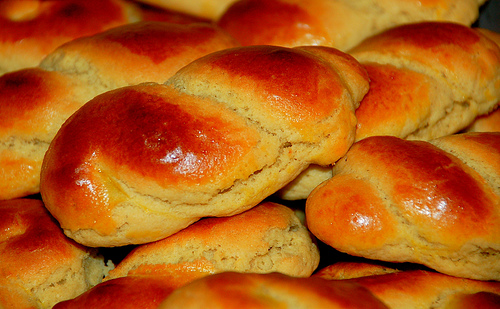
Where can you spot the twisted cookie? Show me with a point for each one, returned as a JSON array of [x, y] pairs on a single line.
[[140, 163], [434, 203]]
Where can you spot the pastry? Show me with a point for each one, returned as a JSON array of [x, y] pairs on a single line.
[[267, 238], [140, 163], [434, 203]]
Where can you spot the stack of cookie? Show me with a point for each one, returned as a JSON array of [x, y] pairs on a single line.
[[168, 156]]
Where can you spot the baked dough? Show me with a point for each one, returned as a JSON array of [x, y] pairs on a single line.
[[267, 238], [224, 133], [434, 203]]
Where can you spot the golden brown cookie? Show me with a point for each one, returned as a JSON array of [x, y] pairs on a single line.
[[224, 133], [267, 238], [434, 203]]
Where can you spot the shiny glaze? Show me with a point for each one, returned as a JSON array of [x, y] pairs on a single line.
[[490, 144], [448, 50], [425, 288], [178, 274], [345, 209], [430, 187], [135, 133], [182, 144], [481, 149], [275, 290], [384, 180], [139, 52], [19, 94], [151, 135]]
